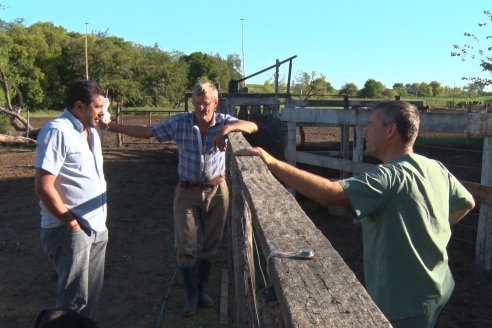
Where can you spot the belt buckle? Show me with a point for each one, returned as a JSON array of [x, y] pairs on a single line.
[[206, 185]]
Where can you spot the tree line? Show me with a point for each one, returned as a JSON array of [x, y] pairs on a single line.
[[39, 62]]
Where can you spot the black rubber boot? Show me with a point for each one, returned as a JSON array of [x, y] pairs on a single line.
[[190, 283], [204, 299]]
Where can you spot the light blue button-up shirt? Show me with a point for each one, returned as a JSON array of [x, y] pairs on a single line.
[[63, 151]]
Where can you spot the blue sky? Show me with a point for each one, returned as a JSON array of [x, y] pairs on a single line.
[[347, 41]]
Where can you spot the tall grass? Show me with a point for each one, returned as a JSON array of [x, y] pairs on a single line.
[[43, 113], [5, 126]]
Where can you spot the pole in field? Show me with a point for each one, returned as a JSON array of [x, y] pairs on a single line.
[[86, 59]]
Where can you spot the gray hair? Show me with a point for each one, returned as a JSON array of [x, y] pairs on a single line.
[[404, 115], [205, 88]]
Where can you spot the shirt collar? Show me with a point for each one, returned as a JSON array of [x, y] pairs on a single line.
[[75, 121], [211, 124]]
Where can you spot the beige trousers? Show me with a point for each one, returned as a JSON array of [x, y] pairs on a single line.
[[199, 219]]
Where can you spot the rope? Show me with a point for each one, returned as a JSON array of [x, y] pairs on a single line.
[[250, 275], [164, 299], [259, 261]]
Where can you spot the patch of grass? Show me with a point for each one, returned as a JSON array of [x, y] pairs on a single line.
[[454, 141], [43, 113]]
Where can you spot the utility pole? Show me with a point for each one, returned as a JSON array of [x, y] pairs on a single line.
[[242, 43], [86, 59]]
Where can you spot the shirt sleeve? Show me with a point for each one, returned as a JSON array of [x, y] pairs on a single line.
[[230, 119], [165, 130], [51, 151], [459, 196], [368, 191]]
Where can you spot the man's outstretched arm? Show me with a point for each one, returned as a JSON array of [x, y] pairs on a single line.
[[136, 131], [319, 189]]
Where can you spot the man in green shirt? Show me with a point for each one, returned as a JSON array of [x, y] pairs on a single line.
[[406, 205]]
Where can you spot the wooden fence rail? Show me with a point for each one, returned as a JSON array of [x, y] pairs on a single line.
[[321, 292]]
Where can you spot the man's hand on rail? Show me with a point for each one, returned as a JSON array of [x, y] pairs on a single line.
[[220, 140], [257, 151]]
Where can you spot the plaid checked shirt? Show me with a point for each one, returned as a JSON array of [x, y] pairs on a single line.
[[198, 160]]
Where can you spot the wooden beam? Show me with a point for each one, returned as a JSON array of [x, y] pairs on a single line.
[[322, 292], [453, 122]]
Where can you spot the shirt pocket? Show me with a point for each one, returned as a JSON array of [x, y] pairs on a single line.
[[79, 161]]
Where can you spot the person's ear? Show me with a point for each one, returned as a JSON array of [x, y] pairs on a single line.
[[392, 130], [78, 108]]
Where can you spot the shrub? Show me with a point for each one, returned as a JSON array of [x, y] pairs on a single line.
[[5, 125]]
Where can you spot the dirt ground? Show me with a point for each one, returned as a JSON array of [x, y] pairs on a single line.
[[141, 287]]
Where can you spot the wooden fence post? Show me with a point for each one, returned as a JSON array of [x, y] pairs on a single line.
[[291, 142], [119, 120], [345, 139], [483, 250]]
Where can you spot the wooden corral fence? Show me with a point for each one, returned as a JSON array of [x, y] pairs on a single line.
[[466, 123], [265, 221], [148, 116]]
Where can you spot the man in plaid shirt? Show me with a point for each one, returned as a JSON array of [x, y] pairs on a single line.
[[201, 197]]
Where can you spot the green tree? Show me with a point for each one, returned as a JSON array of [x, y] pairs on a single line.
[[424, 89], [268, 86], [478, 48], [311, 85], [349, 89], [115, 63], [41, 60], [212, 68], [25, 74], [372, 89], [389, 93], [49, 60], [474, 89], [437, 89], [156, 77], [400, 89], [413, 89]]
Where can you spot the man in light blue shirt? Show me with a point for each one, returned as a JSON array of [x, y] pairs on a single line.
[[70, 184]]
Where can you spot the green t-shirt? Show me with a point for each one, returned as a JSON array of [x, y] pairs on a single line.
[[404, 208]]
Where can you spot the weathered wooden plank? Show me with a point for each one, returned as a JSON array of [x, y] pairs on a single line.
[[320, 292], [330, 116], [243, 310], [16, 140], [483, 250], [251, 101], [327, 161], [358, 153], [481, 193], [454, 122], [339, 103]]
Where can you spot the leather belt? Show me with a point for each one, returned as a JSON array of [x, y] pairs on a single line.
[[203, 185]]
